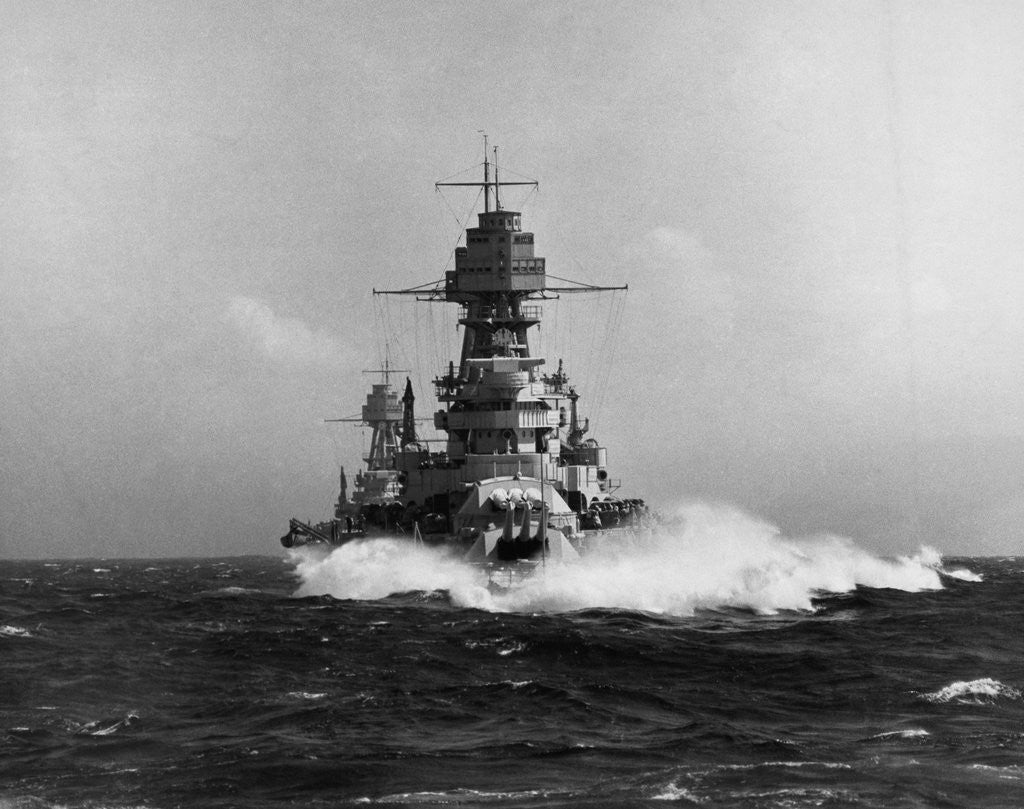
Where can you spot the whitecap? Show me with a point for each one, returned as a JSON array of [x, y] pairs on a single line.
[[236, 591], [812, 796], [459, 796], [973, 692], [825, 765], [1013, 772], [674, 792], [909, 733], [99, 728], [8, 631], [963, 574]]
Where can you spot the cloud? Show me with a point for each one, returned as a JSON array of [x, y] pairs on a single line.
[[282, 339]]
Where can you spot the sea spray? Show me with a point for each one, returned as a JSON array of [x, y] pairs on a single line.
[[719, 557], [376, 568]]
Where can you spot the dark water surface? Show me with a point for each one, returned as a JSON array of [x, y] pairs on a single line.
[[208, 683]]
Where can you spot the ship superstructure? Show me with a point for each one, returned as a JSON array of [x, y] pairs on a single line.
[[515, 447]]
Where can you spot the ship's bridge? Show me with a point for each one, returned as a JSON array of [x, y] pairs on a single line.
[[499, 220], [498, 257]]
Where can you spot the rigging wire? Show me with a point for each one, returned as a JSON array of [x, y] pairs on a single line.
[[419, 361], [442, 199], [554, 309], [505, 170], [520, 205], [607, 346], [460, 222], [594, 359], [570, 341], [378, 329], [460, 172], [616, 308]]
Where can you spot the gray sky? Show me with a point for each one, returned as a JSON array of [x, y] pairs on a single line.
[[817, 207]]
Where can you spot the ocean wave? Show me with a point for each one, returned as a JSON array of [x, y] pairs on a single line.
[[501, 646], [103, 727], [1012, 772], [231, 592], [399, 702], [460, 797], [674, 792], [757, 765], [796, 796], [8, 631], [910, 733], [974, 692], [34, 802], [962, 574]]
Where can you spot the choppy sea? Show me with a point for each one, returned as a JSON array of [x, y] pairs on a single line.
[[725, 667]]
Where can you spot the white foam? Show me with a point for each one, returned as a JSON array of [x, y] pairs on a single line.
[[8, 631], [721, 558], [674, 792], [963, 574], [377, 568], [911, 733], [974, 692], [457, 797], [825, 765], [233, 590], [98, 728], [1013, 772]]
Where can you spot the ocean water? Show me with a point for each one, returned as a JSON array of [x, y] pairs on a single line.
[[724, 667]]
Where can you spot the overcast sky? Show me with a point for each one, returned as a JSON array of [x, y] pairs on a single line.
[[817, 206]]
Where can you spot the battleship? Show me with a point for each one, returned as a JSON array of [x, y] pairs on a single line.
[[519, 481]]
